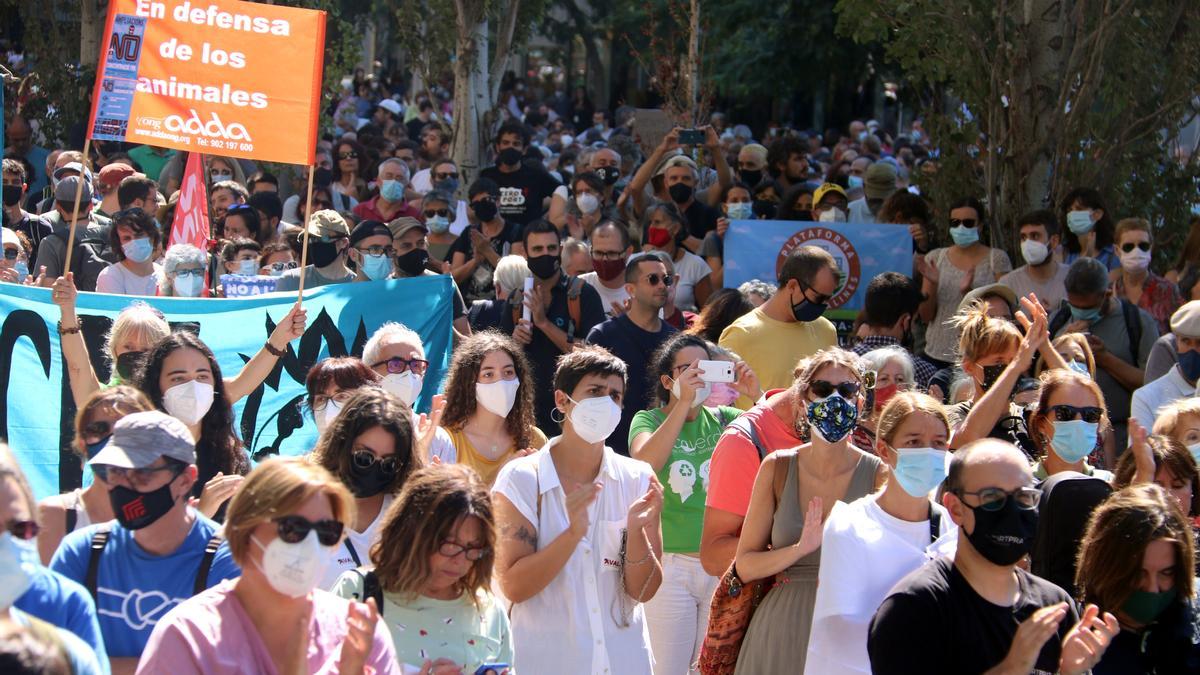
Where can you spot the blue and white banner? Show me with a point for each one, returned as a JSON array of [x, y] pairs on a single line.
[[756, 249], [37, 415]]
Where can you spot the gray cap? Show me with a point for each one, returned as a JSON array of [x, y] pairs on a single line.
[[72, 166], [141, 438], [65, 191]]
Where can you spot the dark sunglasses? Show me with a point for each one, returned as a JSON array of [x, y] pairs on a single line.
[[1144, 245], [822, 298], [236, 208], [656, 279], [1066, 413], [97, 428], [823, 388], [397, 365], [347, 155], [10, 254], [281, 266], [437, 212], [323, 204], [28, 529], [445, 176], [473, 553], [963, 222], [994, 499], [293, 530], [365, 460]]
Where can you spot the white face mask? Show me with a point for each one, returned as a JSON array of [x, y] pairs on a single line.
[[594, 419], [293, 569], [587, 203], [324, 417], [832, 215], [189, 286], [1034, 252], [701, 393], [18, 562], [405, 386], [188, 402], [1136, 260], [498, 397]]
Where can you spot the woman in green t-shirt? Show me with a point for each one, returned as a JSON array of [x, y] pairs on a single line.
[[677, 438]]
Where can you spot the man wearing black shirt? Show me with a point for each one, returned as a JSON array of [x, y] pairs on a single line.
[[16, 186], [635, 335], [552, 329], [524, 189], [978, 612], [473, 256]]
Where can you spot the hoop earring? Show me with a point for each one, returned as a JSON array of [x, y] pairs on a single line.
[[562, 417]]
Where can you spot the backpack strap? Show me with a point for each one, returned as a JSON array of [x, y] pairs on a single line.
[[935, 524], [516, 303], [1133, 326], [1057, 321], [574, 306], [72, 519], [747, 427], [91, 581], [723, 417], [210, 552], [371, 588], [353, 552]]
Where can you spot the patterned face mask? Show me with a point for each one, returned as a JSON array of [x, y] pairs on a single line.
[[832, 417]]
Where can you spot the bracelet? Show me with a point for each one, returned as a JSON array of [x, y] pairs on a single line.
[[67, 331], [272, 350], [627, 561]]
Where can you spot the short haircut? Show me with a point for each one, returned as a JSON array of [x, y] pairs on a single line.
[[511, 273], [890, 296], [517, 128], [136, 187], [481, 186], [877, 360], [960, 457], [586, 360], [141, 222], [1087, 276], [436, 196], [1132, 225], [1043, 217], [262, 177], [804, 263], [346, 372], [634, 264], [540, 226], [235, 246], [233, 186], [267, 202], [622, 233], [905, 207], [390, 332], [15, 166], [407, 144], [398, 163]]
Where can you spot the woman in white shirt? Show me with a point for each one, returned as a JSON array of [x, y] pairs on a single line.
[[580, 537], [871, 543], [665, 230], [137, 243]]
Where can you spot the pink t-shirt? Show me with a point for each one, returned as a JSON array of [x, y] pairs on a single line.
[[735, 459], [211, 633]]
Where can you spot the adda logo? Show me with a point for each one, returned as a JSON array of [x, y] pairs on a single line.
[[214, 128]]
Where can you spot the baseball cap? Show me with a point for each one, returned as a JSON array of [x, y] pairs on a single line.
[[329, 224], [10, 237], [880, 181], [400, 226], [72, 166], [65, 191], [112, 175], [1186, 320], [138, 439], [391, 106], [368, 228], [825, 189], [677, 160], [991, 290]]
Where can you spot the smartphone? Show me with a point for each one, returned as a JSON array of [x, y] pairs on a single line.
[[716, 371], [491, 669], [691, 137]]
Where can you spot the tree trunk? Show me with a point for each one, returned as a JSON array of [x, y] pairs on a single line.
[[693, 64], [92, 26], [472, 96]]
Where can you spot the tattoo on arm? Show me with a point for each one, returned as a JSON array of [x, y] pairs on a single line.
[[519, 533]]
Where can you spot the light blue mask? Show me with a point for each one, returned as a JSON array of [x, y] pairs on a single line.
[[1194, 448], [392, 190], [1079, 367], [22, 270], [1073, 440], [919, 470], [138, 250], [964, 236], [854, 181], [740, 211], [189, 285], [1080, 222], [438, 224], [1089, 315], [248, 267], [377, 267]]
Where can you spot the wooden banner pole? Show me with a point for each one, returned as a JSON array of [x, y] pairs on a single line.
[[87, 147], [312, 169]]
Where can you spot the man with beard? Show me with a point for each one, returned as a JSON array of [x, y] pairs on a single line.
[[524, 189]]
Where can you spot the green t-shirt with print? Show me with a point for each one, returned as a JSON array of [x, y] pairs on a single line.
[[685, 475]]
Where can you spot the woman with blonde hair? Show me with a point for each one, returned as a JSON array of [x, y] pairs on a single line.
[[793, 492], [1137, 561], [1068, 425], [897, 528], [282, 529], [1076, 353], [1181, 421], [433, 571], [1166, 462], [62, 514]]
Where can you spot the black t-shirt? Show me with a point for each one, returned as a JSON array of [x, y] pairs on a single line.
[[621, 336], [522, 192], [701, 219], [543, 353], [935, 622], [480, 285]]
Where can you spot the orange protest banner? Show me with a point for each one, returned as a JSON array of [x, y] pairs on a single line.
[[222, 77]]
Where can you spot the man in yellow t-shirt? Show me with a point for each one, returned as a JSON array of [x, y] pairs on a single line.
[[789, 326]]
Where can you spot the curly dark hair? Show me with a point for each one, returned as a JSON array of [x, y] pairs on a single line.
[[370, 407], [218, 448], [664, 359], [464, 372]]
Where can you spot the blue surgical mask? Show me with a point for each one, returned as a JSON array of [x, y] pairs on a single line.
[[449, 185], [392, 190], [248, 267], [1189, 365], [1079, 367], [438, 224], [919, 470], [1074, 439], [1080, 222], [1089, 315], [22, 270], [377, 267], [93, 448], [854, 181], [138, 250], [740, 211], [1194, 448], [964, 236]]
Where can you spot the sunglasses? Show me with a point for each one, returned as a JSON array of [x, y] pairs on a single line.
[[656, 279], [963, 222], [320, 204], [1066, 413], [139, 477], [994, 499], [1144, 245], [97, 428], [281, 266], [364, 459], [28, 529], [347, 155], [445, 176], [823, 388], [437, 212], [293, 530], [10, 254], [473, 553], [396, 365]]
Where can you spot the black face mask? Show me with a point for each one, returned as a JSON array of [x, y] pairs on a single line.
[[609, 174], [128, 363], [804, 214], [751, 178], [412, 264], [12, 195], [1003, 537], [370, 481], [509, 157], [680, 193], [322, 253], [135, 510], [485, 210], [991, 374], [807, 310], [543, 266], [764, 209]]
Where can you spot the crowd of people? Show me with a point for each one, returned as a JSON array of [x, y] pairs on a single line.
[[629, 467]]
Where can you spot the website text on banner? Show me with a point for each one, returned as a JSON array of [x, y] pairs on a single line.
[[37, 415], [205, 76], [756, 249]]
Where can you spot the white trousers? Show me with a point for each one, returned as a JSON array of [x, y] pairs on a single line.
[[677, 615]]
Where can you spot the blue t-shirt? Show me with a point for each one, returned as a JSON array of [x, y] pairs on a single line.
[[61, 602], [621, 336], [134, 588], [81, 659]]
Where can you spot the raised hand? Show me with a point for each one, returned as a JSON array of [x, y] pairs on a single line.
[[645, 509], [689, 383], [1085, 644], [1031, 635], [289, 328], [578, 502], [360, 635], [217, 491], [1143, 458], [745, 381], [63, 292], [810, 538], [427, 425]]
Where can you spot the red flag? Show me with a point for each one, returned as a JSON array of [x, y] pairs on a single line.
[[191, 212]]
